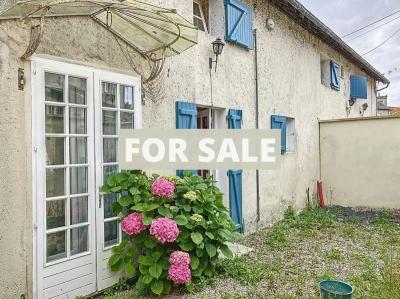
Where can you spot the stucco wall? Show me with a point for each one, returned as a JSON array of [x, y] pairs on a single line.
[[289, 81], [360, 162]]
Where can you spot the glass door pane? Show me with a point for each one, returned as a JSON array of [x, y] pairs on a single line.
[[117, 113], [66, 122]]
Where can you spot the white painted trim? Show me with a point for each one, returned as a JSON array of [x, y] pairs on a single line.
[[110, 77], [35, 273], [38, 101], [94, 124]]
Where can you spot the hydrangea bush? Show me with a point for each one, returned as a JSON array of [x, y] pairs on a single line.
[[173, 229]]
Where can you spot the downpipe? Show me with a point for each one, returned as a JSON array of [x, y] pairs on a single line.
[[387, 85], [376, 97], [257, 120]]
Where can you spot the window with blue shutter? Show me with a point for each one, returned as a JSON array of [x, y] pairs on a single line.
[[239, 23], [186, 118], [234, 119], [358, 87], [279, 122], [335, 75]]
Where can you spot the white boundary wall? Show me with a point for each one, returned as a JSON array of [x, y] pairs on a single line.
[[360, 161]]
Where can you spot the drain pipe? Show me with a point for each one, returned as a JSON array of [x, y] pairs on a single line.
[[376, 97], [257, 122], [384, 87]]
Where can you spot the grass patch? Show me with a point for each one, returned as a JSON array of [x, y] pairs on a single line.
[[246, 271], [334, 255], [383, 218], [276, 237], [295, 254]]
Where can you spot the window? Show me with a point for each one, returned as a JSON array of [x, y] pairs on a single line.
[[198, 16], [330, 73], [324, 63], [288, 133], [209, 118]]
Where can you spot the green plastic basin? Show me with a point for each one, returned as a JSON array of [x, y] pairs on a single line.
[[335, 289]]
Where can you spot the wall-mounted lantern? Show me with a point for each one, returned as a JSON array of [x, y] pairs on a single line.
[[218, 46], [363, 108], [349, 105]]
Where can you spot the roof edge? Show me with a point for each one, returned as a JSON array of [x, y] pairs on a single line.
[[297, 12]]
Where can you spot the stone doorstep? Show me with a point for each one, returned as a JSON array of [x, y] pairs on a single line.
[[239, 249]]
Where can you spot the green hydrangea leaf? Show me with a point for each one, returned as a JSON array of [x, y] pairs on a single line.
[[145, 260], [147, 218], [143, 269], [197, 210], [194, 262], [199, 252], [181, 220], [129, 269], [157, 287], [211, 249], [201, 186], [163, 211], [150, 242], [226, 251], [188, 246], [155, 270], [147, 278], [210, 235], [151, 207], [189, 287], [124, 201], [134, 191], [197, 238], [226, 234], [114, 259], [167, 287]]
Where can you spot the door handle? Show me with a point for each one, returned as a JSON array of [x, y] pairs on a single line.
[[101, 195]]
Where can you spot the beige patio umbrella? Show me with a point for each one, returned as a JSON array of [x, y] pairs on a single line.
[[154, 32]]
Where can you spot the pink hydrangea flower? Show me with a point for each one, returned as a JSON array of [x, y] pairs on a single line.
[[163, 187], [179, 274], [133, 224], [164, 229], [179, 258]]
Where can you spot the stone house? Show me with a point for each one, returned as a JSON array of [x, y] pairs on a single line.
[[281, 67]]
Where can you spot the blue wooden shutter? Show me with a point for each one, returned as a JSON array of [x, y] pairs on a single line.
[[235, 118], [235, 198], [358, 87], [335, 75], [186, 115], [186, 118], [279, 122], [239, 23]]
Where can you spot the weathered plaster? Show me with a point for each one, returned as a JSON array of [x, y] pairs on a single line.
[[289, 80]]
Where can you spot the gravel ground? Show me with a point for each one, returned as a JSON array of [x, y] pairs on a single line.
[[361, 247]]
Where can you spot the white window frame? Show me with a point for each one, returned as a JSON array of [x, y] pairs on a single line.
[[203, 20], [291, 135], [38, 65]]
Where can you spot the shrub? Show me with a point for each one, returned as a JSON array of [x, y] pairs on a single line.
[[173, 229]]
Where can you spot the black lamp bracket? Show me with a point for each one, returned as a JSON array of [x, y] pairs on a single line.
[[211, 62]]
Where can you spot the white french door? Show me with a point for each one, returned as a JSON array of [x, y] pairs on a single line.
[[77, 112], [119, 107]]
